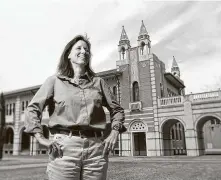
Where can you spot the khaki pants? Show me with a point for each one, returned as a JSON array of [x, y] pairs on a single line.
[[82, 159]]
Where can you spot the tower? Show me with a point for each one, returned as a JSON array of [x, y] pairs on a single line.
[[124, 46], [175, 70], [144, 42]]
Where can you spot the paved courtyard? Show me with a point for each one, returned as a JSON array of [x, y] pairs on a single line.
[[124, 168]]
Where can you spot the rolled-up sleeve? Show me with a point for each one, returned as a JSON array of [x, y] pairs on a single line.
[[33, 113], [116, 111]]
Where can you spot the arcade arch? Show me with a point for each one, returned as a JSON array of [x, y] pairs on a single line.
[[208, 135], [8, 140], [173, 136]]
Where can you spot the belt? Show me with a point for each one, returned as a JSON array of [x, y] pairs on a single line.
[[80, 133]]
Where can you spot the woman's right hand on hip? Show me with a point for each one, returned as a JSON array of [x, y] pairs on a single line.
[[54, 147]]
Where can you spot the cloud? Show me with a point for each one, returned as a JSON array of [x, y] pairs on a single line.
[[33, 35], [192, 35]]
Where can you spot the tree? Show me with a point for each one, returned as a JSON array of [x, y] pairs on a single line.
[[214, 86], [2, 123]]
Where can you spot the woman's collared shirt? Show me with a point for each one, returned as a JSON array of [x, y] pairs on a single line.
[[73, 105]]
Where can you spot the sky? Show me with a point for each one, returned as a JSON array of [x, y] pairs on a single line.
[[33, 35]]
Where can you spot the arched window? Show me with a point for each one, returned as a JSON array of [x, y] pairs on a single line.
[[6, 110], [123, 53], [161, 90], [181, 131], [142, 48], [172, 133], [13, 108], [10, 109], [115, 92], [136, 92]]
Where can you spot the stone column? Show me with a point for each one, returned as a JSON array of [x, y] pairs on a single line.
[[151, 143], [191, 143], [190, 132], [155, 108], [17, 138], [132, 144], [35, 146], [31, 145]]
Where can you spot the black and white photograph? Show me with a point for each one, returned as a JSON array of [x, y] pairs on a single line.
[[110, 90]]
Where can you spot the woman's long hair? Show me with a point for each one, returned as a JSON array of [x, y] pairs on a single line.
[[64, 66]]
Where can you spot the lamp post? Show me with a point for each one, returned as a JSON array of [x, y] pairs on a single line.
[[118, 88]]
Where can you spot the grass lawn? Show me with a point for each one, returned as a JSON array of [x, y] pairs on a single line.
[[128, 168]]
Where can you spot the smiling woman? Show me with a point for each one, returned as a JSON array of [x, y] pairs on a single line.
[[76, 97], [79, 53]]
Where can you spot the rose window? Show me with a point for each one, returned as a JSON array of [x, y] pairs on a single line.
[[138, 126]]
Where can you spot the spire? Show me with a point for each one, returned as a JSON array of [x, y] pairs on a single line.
[[124, 38], [174, 64], [143, 30], [123, 35], [143, 33], [143, 40], [175, 70]]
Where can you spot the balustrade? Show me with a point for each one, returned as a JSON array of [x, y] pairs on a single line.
[[170, 101], [199, 97]]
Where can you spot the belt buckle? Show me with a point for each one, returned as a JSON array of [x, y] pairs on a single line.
[[81, 134]]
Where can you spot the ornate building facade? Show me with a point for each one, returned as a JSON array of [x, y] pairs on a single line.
[[160, 119]]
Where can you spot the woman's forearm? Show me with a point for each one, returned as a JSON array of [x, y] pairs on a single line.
[[41, 139]]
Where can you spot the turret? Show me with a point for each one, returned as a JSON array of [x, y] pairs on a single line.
[[124, 45], [175, 70], [144, 42]]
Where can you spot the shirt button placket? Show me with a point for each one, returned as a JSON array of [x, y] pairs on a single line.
[[85, 107]]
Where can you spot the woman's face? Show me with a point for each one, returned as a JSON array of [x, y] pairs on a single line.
[[79, 53]]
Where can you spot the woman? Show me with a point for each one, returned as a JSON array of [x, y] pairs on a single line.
[[75, 97]]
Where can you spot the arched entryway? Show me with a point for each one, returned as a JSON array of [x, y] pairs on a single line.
[[208, 135], [25, 142], [138, 130], [173, 138], [8, 144]]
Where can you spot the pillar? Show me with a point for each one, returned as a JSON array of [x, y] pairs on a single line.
[[132, 144], [17, 138], [156, 133], [190, 132], [191, 143], [151, 143]]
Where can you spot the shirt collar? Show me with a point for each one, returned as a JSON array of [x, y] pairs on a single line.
[[85, 75]]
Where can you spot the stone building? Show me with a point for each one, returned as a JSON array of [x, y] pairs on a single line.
[[160, 118]]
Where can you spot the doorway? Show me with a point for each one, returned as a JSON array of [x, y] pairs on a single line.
[[139, 144]]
